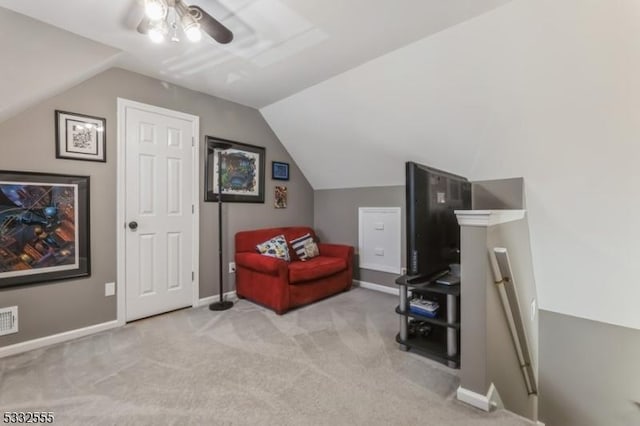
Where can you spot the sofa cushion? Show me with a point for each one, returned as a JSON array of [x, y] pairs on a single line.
[[275, 247], [246, 241], [298, 246], [315, 268], [311, 249]]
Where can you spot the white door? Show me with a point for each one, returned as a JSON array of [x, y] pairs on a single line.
[[159, 210]]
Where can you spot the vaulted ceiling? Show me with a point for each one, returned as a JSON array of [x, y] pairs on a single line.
[[280, 46]]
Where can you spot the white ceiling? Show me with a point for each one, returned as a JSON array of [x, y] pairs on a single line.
[[280, 46]]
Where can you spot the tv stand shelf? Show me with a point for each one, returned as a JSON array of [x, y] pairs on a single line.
[[443, 340], [433, 348], [430, 286], [436, 321]]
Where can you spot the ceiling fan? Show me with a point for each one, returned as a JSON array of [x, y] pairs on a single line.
[[164, 18]]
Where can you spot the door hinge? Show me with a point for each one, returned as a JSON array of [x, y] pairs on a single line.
[[193, 208], [193, 276], [193, 141]]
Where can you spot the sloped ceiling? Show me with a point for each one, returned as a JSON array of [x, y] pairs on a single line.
[[39, 60], [543, 89], [280, 46]]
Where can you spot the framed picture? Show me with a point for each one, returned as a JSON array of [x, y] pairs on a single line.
[[280, 199], [80, 137], [279, 171], [242, 171], [44, 227]]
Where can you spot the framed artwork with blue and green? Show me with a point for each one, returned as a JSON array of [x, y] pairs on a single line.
[[241, 171], [44, 227]]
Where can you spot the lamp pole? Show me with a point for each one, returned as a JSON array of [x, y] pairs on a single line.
[[221, 305]]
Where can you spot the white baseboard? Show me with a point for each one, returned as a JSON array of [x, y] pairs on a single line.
[[377, 287], [229, 295], [41, 342], [483, 402]]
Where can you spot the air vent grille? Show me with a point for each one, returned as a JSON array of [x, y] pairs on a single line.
[[8, 320]]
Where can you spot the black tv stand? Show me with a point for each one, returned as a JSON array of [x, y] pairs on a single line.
[[415, 279], [423, 279], [443, 342]]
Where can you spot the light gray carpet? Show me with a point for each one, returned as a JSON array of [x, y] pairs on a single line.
[[332, 363]]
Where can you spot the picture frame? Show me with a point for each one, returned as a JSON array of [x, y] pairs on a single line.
[[80, 137], [44, 227], [242, 172], [280, 197], [279, 170]]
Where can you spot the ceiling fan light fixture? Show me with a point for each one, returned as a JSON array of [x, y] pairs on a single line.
[[193, 32], [193, 21], [158, 32], [155, 9]]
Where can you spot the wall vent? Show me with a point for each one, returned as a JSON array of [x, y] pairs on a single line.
[[8, 320]]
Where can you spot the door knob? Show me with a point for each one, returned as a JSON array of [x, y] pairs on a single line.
[[133, 225]]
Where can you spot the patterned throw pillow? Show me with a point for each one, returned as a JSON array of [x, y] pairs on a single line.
[[275, 247], [298, 245], [311, 249]]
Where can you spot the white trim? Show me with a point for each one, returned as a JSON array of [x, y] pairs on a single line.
[[122, 105], [483, 402], [487, 218], [229, 295], [65, 336], [377, 287], [195, 201], [120, 213], [539, 423]]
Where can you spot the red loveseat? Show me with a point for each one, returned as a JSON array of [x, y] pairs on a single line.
[[282, 285]]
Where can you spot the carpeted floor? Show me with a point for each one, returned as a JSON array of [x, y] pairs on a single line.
[[332, 363]]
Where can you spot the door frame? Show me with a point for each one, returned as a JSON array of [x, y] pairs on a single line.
[[121, 219]]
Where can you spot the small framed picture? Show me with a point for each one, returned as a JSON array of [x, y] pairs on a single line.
[[279, 171], [80, 137], [280, 197]]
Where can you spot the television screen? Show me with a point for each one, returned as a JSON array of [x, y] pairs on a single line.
[[433, 233]]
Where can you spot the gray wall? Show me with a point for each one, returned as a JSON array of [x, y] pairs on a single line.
[[27, 143], [336, 220], [589, 372], [498, 194], [475, 274]]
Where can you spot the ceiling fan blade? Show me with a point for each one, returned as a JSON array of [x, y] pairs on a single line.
[[211, 26], [143, 26]]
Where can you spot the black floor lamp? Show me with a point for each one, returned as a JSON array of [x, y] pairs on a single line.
[[221, 305]]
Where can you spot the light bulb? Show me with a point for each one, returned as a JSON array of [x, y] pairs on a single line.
[[155, 9], [193, 33], [156, 35]]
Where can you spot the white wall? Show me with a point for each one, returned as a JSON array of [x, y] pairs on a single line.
[[544, 89]]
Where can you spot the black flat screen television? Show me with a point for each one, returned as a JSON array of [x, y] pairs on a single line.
[[433, 233]]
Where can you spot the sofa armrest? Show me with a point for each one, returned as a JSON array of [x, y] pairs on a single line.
[[261, 263], [336, 250]]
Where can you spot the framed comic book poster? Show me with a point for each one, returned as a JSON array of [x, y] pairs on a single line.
[[44, 227]]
